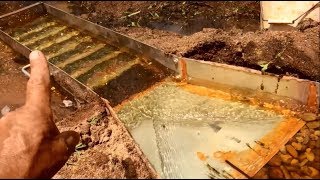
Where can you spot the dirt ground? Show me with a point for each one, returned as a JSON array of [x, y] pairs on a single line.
[[232, 36], [225, 32]]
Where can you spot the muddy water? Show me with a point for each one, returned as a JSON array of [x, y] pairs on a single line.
[[173, 126]]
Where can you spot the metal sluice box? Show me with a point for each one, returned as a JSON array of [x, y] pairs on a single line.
[[190, 118]]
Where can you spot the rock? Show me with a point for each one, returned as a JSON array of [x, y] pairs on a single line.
[[314, 137], [67, 103], [5, 110], [286, 158], [308, 150], [313, 124], [306, 170], [275, 160], [297, 146], [302, 157], [295, 175], [299, 139], [310, 156], [283, 150], [312, 144], [292, 151], [261, 174], [317, 133], [309, 117], [292, 168], [318, 143], [275, 173], [294, 162], [304, 162], [285, 172]]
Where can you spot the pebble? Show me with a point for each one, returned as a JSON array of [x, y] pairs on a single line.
[[294, 162], [304, 162], [314, 137], [302, 157], [299, 139], [292, 151], [295, 175], [275, 173], [67, 103], [283, 150], [275, 160], [261, 174], [309, 117], [285, 172], [310, 156], [313, 124], [312, 144], [297, 146], [286, 158], [317, 133], [5, 110], [314, 172]]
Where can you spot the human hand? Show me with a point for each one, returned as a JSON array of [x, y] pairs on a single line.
[[31, 145]]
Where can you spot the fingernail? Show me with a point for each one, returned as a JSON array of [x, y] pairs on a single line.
[[34, 55]]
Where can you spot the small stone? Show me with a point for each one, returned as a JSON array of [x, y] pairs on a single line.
[[292, 151], [5, 110], [285, 172], [261, 174], [299, 139], [309, 117], [317, 133], [297, 146], [283, 150], [294, 162], [275, 160], [308, 150], [314, 137], [304, 162], [67, 103], [312, 144], [292, 168], [275, 173], [306, 170], [286, 158], [302, 157], [310, 156], [295, 175], [313, 125]]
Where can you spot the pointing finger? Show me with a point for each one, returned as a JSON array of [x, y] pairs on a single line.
[[38, 91]]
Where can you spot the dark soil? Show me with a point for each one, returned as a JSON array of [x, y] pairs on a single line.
[[184, 17]]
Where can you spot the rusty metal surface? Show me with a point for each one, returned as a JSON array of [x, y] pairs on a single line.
[[304, 91], [250, 161]]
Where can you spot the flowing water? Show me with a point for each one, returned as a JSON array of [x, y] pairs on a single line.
[[178, 130]]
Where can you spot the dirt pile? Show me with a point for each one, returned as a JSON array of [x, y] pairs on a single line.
[[292, 53]]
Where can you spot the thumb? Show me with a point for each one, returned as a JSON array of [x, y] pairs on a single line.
[[38, 91], [55, 154]]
